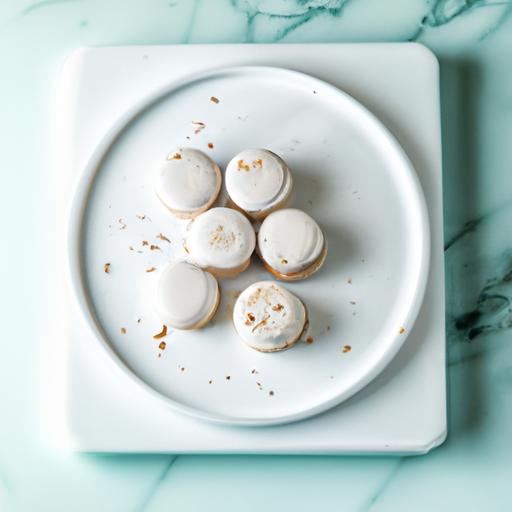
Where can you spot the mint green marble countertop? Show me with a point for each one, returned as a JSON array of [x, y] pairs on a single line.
[[472, 471]]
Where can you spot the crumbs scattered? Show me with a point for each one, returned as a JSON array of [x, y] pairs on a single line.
[[139, 320], [260, 387], [153, 247], [349, 280], [401, 330], [210, 381], [123, 330], [242, 165], [314, 92], [162, 237], [175, 156], [145, 242], [181, 368], [277, 307], [271, 393], [249, 319], [353, 302], [162, 345], [106, 268], [254, 371], [309, 340], [284, 261], [198, 126], [130, 247], [162, 333], [150, 269], [143, 217], [213, 99], [185, 248], [121, 223], [346, 348], [210, 145], [228, 377], [258, 163]]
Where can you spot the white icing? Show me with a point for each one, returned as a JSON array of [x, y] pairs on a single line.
[[185, 295], [187, 181], [268, 317], [257, 179], [290, 240], [221, 238]]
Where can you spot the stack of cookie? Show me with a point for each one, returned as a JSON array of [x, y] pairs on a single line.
[[220, 242]]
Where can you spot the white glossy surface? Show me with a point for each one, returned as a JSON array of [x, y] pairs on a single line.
[[220, 238], [383, 418], [187, 180], [185, 295], [258, 179], [268, 317], [290, 240]]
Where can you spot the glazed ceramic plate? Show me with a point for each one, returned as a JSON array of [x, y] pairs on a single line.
[[350, 175]]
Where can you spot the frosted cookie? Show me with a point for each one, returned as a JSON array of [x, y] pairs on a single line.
[[187, 297], [258, 182], [221, 240], [291, 244], [188, 182], [268, 317]]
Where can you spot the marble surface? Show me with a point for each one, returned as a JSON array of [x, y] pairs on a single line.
[[472, 470]]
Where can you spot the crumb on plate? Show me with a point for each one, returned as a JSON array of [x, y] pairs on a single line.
[[162, 333]]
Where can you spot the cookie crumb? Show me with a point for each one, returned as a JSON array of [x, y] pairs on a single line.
[[213, 99], [123, 330], [162, 345], [106, 268], [150, 269], [210, 145], [309, 340], [346, 348], [228, 377], [401, 330], [162, 237], [175, 156], [271, 393], [162, 333]]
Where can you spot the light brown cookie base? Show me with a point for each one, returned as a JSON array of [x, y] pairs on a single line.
[[259, 215], [228, 272], [191, 215], [301, 274], [291, 343]]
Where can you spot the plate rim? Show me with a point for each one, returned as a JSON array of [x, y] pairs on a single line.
[[75, 268]]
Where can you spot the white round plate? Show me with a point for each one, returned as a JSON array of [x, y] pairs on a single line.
[[350, 175]]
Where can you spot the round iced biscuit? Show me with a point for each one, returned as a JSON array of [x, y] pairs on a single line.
[[268, 317], [222, 241], [291, 244], [188, 182], [186, 296], [258, 181]]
